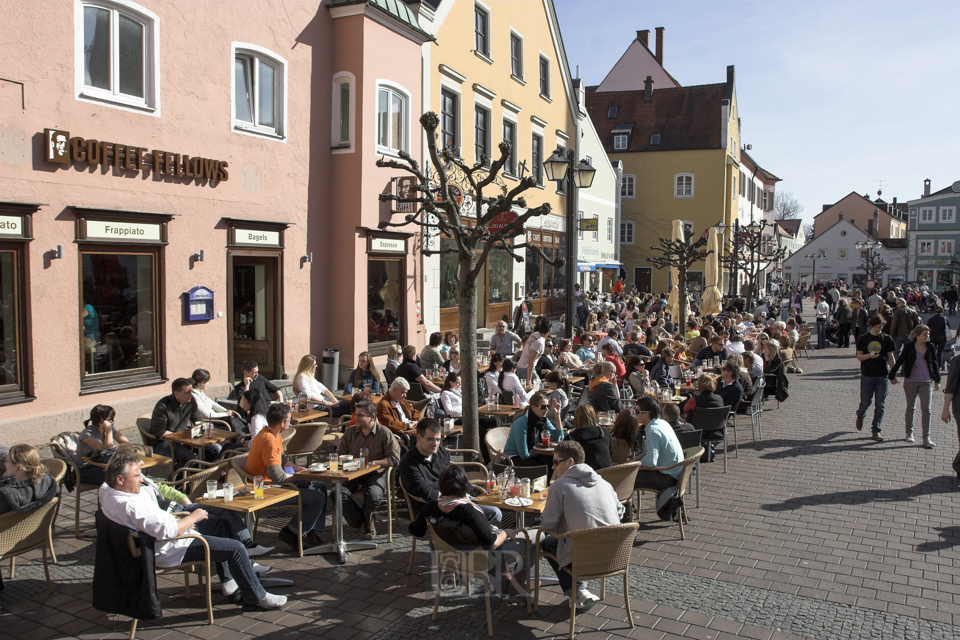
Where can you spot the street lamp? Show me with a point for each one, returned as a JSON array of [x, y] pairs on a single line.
[[814, 257], [872, 248], [560, 168]]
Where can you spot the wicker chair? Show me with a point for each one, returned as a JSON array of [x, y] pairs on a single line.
[[801, 346], [23, 531], [306, 440], [411, 500], [496, 439], [192, 478], [63, 447], [601, 553], [143, 426], [623, 477], [236, 467], [692, 457]]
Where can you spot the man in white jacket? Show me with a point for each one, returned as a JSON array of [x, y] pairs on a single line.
[[578, 499]]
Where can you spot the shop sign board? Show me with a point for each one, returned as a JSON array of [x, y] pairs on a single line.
[[257, 236], [108, 230], [379, 244], [589, 224], [501, 221], [11, 226]]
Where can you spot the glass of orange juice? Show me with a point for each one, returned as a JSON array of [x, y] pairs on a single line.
[[258, 487], [334, 460]]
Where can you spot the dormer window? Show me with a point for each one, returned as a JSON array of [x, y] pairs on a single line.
[[621, 136], [611, 112]]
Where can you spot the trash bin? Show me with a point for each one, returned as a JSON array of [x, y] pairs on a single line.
[[330, 369]]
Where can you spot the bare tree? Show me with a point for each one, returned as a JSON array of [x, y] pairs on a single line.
[[872, 264], [681, 254], [443, 200], [786, 206], [809, 231], [904, 261], [751, 253]]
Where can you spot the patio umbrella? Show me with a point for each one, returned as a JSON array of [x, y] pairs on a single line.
[[710, 302], [673, 302]]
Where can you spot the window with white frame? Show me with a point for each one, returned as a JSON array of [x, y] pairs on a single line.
[[946, 248], [925, 247], [481, 30], [510, 135], [392, 115], [449, 118], [536, 158], [627, 184], [610, 230], [683, 185], [626, 232], [116, 54], [733, 191], [544, 77], [948, 215], [259, 88], [343, 103], [620, 141], [928, 214], [596, 226], [516, 55], [481, 134]]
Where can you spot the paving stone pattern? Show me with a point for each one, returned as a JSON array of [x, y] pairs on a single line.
[[816, 531]]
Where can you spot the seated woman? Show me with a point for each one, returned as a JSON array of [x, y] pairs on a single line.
[[451, 398], [209, 408], [556, 387], [453, 364], [305, 381], [596, 441], [705, 399], [626, 437], [27, 484], [365, 374], [450, 341], [567, 357], [636, 375], [492, 375], [254, 405], [610, 355], [393, 361], [772, 368], [99, 433], [453, 507], [430, 357], [527, 430], [508, 382]]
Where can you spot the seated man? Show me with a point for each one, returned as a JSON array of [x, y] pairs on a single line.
[[662, 449], [603, 392], [410, 371], [266, 459], [253, 380], [661, 371], [363, 495], [578, 499], [127, 502], [611, 339], [634, 347], [671, 414], [730, 388], [421, 466], [177, 412], [393, 410], [586, 352], [714, 350]]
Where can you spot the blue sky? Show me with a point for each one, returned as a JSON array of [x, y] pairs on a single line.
[[833, 96]]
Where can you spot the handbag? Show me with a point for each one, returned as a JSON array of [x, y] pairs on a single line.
[[103, 456]]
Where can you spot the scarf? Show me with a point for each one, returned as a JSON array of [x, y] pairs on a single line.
[[535, 426]]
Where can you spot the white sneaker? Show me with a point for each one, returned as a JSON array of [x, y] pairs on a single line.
[[909, 437], [229, 587], [260, 569], [586, 600], [928, 443], [271, 601], [258, 550]]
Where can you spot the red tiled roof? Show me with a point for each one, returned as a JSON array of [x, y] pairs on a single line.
[[685, 117], [793, 226]]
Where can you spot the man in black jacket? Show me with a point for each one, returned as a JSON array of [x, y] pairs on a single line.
[[604, 395], [421, 465], [714, 350], [178, 412], [938, 333], [729, 387], [661, 371], [253, 380]]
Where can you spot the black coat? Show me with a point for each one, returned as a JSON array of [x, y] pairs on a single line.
[[124, 584], [605, 397], [908, 357], [597, 444]]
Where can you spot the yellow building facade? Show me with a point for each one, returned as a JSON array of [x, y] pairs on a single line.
[[498, 72]]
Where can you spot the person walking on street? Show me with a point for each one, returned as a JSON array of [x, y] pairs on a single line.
[[875, 353], [951, 398], [859, 319], [901, 324], [843, 316], [921, 376], [938, 333], [823, 310]]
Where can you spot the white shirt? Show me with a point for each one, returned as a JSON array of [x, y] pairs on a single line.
[[257, 423], [311, 386], [512, 384], [208, 407], [536, 343], [399, 409], [613, 343], [142, 512], [735, 347], [492, 378], [874, 301], [822, 310], [452, 401]]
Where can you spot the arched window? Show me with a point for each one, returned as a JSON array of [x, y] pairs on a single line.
[[683, 185], [343, 126], [259, 91]]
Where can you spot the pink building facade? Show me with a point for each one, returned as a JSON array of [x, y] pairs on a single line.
[[193, 185]]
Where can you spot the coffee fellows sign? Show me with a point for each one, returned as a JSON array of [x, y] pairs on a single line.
[[60, 148]]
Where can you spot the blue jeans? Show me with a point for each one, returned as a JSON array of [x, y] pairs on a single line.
[[550, 545], [821, 333], [898, 342], [314, 506], [873, 389], [230, 557]]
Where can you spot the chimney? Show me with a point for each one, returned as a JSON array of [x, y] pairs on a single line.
[[648, 90], [840, 215], [926, 187], [659, 54], [644, 38], [876, 223]]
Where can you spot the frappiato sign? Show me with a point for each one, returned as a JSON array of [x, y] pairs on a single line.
[[61, 148]]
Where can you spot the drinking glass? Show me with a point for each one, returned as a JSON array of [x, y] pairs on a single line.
[[258, 487], [503, 488], [491, 400], [211, 489], [334, 460], [545, 438], [228, 492]]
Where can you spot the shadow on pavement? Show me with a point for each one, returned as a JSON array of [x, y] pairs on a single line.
[[949, 537], [940, 484]]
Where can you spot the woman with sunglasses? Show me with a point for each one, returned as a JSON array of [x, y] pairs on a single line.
[[527, 430]]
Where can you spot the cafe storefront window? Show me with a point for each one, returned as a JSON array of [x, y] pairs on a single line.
[[15, 234], [384, 305], [501, 277], [121, 314]]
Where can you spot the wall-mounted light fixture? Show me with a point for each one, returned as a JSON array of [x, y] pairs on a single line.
[[199, 256], [305, 259], [57, 254]]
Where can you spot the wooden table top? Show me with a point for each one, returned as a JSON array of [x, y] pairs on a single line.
[[502, 412], [247, 503], [309, 414], [542, 450], [153, 461], [216, 437], [493, 500], [336, 476]]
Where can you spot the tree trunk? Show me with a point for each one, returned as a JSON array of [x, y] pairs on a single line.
[[682, 299], [467, 295]]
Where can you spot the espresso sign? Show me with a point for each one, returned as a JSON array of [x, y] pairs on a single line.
[[60, 148]]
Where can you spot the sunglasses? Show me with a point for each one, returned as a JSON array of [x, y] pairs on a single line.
[[557, 462], [542, 407]]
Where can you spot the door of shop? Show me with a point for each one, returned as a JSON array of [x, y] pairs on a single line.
[[643, 279], [254, 307]]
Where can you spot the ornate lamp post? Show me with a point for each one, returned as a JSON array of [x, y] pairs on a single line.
[[560, 168]]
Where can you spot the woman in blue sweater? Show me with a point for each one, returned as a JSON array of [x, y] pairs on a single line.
[[525, 433]]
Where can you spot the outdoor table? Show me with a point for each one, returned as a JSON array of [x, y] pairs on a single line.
[[217, 436], [503, 412], [338, 545], [153, 461], [537, 507], [308, 415], [247, 504]]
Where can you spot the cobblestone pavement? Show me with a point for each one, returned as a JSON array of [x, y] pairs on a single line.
[[816, 531]]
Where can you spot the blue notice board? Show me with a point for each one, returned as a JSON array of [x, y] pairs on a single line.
[[199, 304]]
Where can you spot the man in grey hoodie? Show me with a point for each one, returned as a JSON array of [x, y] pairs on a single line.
[[577, 499]]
